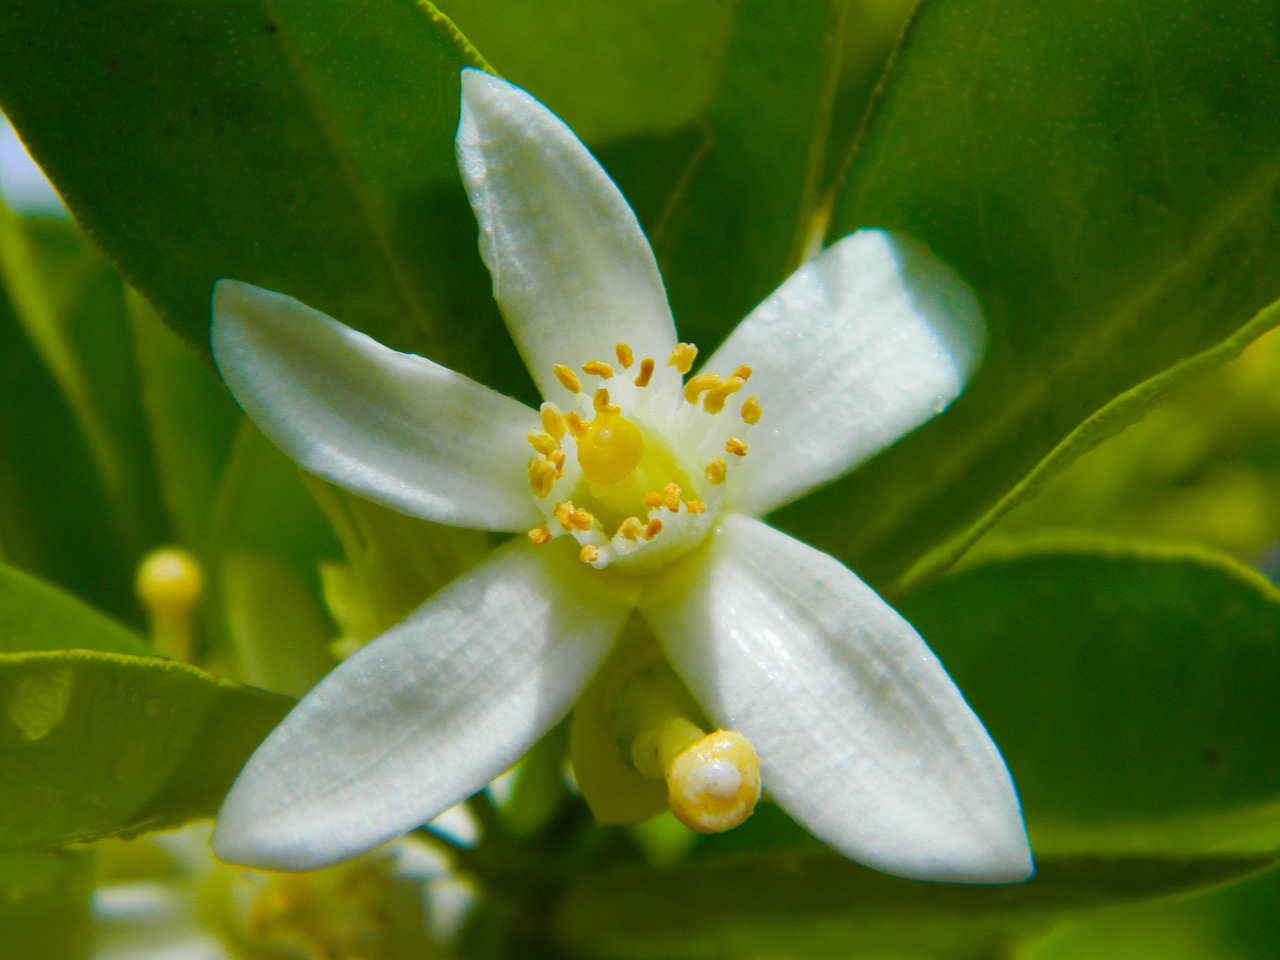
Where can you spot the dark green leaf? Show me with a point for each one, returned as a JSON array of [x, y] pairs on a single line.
[[98, 744], [1108, 180], [302, 146], [817, 903], [1132, 692]]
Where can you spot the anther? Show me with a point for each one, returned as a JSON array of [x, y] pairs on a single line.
[[552, 419], [735, 446], [653, 499], [742, 373], [575, 424], [581, 520], [601, 402], [646, 372], [557, 458], [568, 379], [751, 409], [589, 554], [544, 443], [671, 497], [625, 355], [715, 398], [682, 357], [697, 506], [653, 528], [631, 528], [597, 368], [542, 476], [563, 510], [539, 535], [695, 386], [717, 470]]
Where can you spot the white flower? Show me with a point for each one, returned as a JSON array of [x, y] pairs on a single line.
[[642, 493]]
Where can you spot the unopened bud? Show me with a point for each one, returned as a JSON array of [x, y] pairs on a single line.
[[714, 783]]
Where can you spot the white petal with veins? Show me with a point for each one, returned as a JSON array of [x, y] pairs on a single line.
[[856, 349], [572, 271], [862, 736], [428, 713], [390, 426]]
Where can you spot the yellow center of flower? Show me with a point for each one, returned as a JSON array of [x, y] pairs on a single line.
[[610, 449], [622, 473]]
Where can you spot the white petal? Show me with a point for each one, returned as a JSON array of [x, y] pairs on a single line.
[[428, 713], [571, 269], [390, 426], [857, 348], [862, 736]]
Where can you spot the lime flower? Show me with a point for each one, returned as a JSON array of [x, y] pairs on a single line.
[[632, 488]]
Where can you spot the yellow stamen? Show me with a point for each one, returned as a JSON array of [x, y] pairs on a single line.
[[735, 446], [544, 443], [581, 520], [601, 402], [646, 372], [695, 386], [552, 419], [653, 499], [682, 357], [631, 528], [697, 506], [751, 409], [563, 512], [539, 535], [567, 378], [653, 529], [575, 424], [542, 476], [625, 356], [589, 554], [742, 373], [611, 447], [715, 398], [717, 470], [597, 368], [671, 497]]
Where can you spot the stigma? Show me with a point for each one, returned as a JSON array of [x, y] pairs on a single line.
[[633, 467]]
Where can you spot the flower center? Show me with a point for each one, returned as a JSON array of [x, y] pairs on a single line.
[[635, 475]]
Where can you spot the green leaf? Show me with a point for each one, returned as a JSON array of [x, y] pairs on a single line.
[[302, 146], [1131, 690], [192, 423], [55, 511], [1106, 179], [610, 70], [98, 744], [45, 905], [36, 616], [819, 903]]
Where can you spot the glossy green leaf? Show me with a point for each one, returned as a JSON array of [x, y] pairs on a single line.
[[303, 146], [45, 905], [816, 903], [98, 744], [1106, 179], [1131, 690], [36, 616]]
